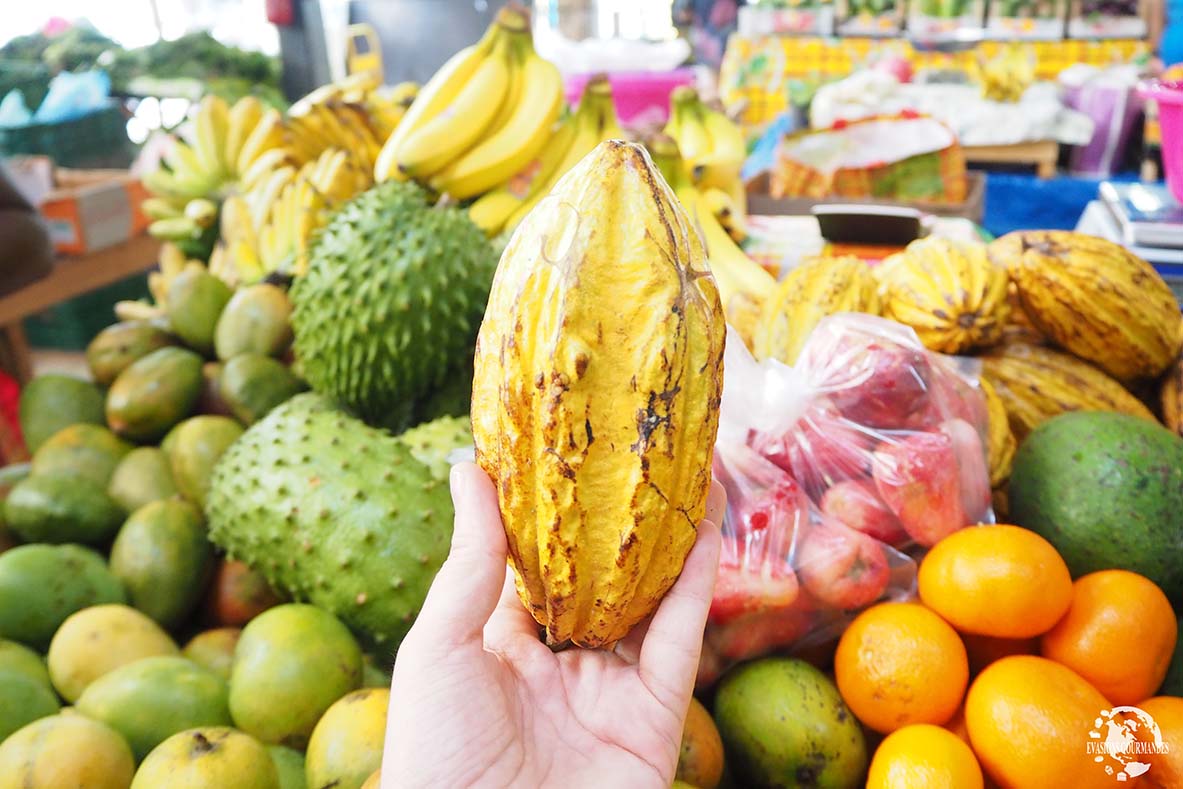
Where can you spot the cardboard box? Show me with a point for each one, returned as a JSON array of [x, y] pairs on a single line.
[[88, 210], [760, 202]]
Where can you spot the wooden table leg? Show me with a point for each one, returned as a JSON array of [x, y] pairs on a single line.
[[14, 352]]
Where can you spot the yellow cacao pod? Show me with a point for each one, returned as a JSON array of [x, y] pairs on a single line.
[[595, 400], [948, 291], [810, 292], [1036, 383], [1095, 299], [1172, 397], [1001, 443]]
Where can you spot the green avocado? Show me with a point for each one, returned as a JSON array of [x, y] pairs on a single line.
[[1106, 490]]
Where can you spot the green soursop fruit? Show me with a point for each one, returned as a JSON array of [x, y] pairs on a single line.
[[391, 302], [432, 442], [335, 513]]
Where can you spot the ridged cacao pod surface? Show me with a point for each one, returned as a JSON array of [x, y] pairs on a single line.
[[598, 377]]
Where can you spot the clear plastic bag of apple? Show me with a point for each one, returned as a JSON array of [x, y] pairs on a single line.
[[882, 434], [868, 447]]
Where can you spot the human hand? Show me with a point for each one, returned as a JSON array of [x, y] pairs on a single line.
[[478, 700]]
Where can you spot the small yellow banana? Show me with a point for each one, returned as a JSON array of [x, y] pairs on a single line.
[[727, 142], [431, 100], [237, 224], [723, 208], [211, 123], [244, 116], [430, 148], [694, 143], [586, 122], [262, 167], [267, 134], [262, 197], [160, 208], [202, 211], [519, 141]]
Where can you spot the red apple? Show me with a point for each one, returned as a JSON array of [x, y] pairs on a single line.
[[873, 381], [973, 466], [841, 567], [951, 397], [756, 634], [856, 504], [917, 477], [822, 448], [740, 590]]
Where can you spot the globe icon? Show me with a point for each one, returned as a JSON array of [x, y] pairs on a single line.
[[1126, 734]]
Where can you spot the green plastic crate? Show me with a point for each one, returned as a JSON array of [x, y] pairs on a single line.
[[97, 140], [71, 325]]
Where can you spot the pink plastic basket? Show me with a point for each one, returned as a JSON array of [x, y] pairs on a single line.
[[1169, 97], [636, 93]]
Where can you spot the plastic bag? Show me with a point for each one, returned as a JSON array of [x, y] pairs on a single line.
[[72, 95], [890, 437], [869, 446]]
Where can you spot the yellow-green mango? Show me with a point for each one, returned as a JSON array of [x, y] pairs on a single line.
[[214, 649], [193, 304], [89, 451], [120, 344], [142, 476], [208, 758], [194, 448], [257, 319], [154, 393], [164, 559], [154, 698], [98, 640], [22, 701], [346, 745], [66, 751]]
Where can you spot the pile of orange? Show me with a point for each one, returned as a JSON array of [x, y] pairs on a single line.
[[1003, 669]]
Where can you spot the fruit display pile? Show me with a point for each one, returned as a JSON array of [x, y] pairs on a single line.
[[224, 535]]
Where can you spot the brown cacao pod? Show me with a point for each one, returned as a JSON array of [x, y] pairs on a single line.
[[595, 401], [1036, 383], [810, 292], [1001, 443], [948, 291], [1095, 299], [1172, 397]]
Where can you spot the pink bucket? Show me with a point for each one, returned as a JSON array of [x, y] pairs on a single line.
[[1169, 97], [643, 94]]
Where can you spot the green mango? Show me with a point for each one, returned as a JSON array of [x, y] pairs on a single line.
[[256, 320], [50, 402], [81, 450], [118, 345], [214, 649], [22, 701], [290, 765], [252, 384], [19, 658], [194, 450], [61, 508], [65, 750], [141, 477], [193, 304], [41, 585], [154, 393], [154, 698], [292, 662], [164, 560]]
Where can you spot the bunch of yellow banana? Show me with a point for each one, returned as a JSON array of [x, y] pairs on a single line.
[[1006, 76], [172, 262], [485, 115], [743, 284], [572, 138], [269, 227], [713, 150], [243, 148]]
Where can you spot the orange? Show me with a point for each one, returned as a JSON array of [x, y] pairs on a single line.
[[899, 663], [984, 650], [700, 762], [924, 757], [1029, 721], [1166, 769], [1001, 581], [1119, 634]]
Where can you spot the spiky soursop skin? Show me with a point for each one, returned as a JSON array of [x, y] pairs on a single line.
[[334, 513], [391, 302], [432, 442]]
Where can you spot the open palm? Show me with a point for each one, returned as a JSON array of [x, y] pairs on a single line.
[[478, 700]]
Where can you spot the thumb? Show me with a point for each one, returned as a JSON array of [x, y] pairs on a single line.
[[467, 587]]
